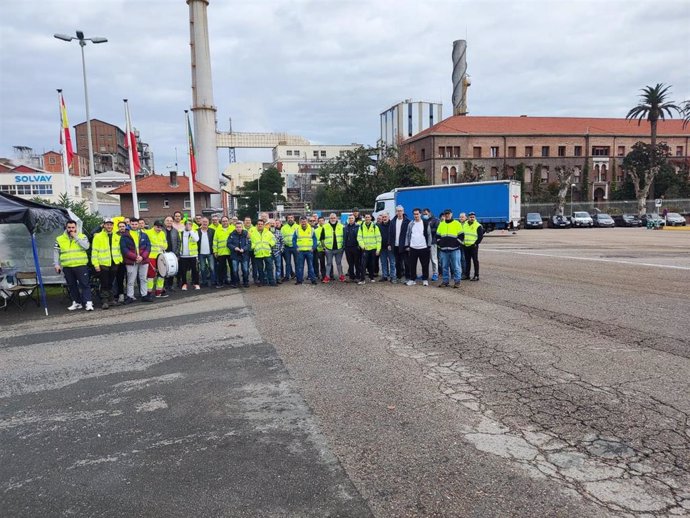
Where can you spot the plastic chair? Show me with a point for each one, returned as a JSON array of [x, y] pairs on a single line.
[[27, 286]]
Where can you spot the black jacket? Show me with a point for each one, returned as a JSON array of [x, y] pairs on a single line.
[[210, 232], [403, 231], [384, 228], [350, 235]]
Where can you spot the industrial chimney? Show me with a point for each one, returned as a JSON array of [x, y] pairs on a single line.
[[203, 107], [460, 78]]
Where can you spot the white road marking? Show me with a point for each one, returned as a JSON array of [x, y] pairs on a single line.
[[596, 259]]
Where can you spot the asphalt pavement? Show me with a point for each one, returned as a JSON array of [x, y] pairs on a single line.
[[557, 385]]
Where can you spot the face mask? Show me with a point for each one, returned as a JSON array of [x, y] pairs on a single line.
[[425, 217]]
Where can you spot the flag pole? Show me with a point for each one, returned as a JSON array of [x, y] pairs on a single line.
[[191, 166], [63, 141], [128, 140]]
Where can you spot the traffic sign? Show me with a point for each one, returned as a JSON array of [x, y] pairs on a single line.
[[657, 202]]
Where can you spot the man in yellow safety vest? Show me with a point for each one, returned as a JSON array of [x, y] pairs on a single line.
[[304, 240], [106, 258], [369, 241], [263, 241], [69, 256]]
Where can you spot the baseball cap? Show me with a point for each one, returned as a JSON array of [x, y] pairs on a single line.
[[158, 223], [448, 211], [471, 214], [107, 220]]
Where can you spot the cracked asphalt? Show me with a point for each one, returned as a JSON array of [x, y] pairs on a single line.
[[558, 385]]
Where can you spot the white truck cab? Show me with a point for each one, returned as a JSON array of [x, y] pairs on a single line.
[[385, 203]]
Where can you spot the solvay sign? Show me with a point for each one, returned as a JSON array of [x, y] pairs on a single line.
[[33, 178]]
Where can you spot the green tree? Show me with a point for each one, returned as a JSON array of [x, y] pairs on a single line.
[[585, 181], [270, 181], [564, 177], [520, 176], [654, 105], [642, 165], [357, 177], [685, 112]]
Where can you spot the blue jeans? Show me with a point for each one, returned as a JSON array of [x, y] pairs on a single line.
[[387, 264], [450, 264], [301, 257], [265, 270], [240, 261], [207, 268], [278, 262], [290, 255], [462, 259]]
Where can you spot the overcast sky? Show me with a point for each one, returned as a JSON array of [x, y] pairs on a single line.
[[325, 69]]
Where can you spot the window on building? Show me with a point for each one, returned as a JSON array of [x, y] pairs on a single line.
[[528, 175], [529, 151], [456, 151], [577, 151], [323, 154], [41, 189], [444, 174], [600, 151], [561, 150], [24, 190], [315, 154], [314, 177], [576, 175], [476, 152], [621, 150], [143, 204], [186, 204], [442, 151], [545, 151], [8, 189], [76, 191], [166, 203], [544, 174], [289, 152], [453, 175], [512, 151], [51, 160], [494, 173], [679, 150], [296, 152], [423, 154], [494, 151]]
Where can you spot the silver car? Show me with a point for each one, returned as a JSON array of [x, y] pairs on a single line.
[[581, 219]]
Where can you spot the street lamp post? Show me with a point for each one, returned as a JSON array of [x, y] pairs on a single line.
[[258, 188], [275, 201], [82, 43], [572, 186]]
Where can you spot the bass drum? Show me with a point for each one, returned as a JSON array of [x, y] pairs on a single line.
[[167, 264]]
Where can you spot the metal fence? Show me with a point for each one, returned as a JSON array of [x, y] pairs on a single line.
[[681, 206]]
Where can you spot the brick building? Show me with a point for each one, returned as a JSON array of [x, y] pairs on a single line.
[[109, 151], [462, 148], [160, 196]]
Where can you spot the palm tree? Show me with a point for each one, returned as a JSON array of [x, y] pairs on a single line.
[[654, 106], [685, 112]]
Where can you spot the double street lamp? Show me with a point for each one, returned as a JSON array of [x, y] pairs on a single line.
[[82, 43]]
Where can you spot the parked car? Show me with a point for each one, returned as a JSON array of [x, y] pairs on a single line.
[[673, 219], [581, 219], [627, 220], [603, 220], [533, 220], [652, 219], [559, 221]]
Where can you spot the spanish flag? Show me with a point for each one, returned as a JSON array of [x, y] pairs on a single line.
[[65, 138]]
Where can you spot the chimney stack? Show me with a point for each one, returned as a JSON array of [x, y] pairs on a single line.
[[173, 178]]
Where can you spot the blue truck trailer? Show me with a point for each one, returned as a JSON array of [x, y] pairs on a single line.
[[496, 204]]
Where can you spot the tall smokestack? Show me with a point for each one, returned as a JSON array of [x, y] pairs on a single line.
[[203, 107], [460, 78]]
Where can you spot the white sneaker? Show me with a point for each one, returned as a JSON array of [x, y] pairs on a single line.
[[360, 282], [89, 306], [75, 305], [372, 280], [411, 282], [425, 283]]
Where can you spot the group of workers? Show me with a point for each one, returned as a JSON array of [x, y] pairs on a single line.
[[226, 252]]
